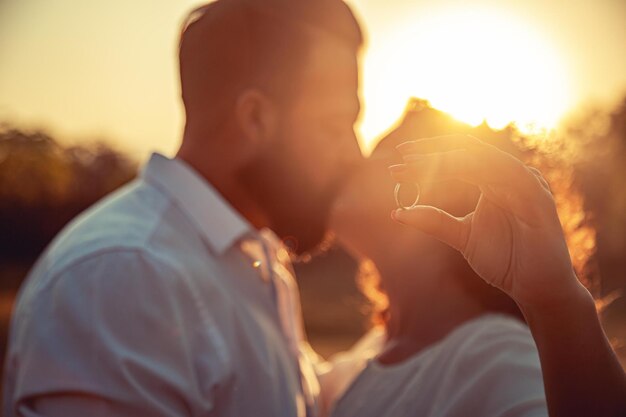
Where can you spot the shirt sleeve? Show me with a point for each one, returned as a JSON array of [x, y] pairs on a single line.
[[113, 335], [497, 374]]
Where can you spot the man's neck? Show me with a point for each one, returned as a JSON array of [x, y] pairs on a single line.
[[223, 179]]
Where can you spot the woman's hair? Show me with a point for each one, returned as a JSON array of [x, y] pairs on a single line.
[[368, 282]]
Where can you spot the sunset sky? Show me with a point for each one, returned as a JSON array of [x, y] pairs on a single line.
[[86, 69]]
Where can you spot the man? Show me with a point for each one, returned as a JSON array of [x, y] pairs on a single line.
[[174, 296]]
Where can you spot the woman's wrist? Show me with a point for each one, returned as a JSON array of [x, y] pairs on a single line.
[[567, 303]]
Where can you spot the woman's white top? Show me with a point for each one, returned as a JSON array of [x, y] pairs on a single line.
[[487, 367]]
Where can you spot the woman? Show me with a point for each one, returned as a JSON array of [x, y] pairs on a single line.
[[452, 344]]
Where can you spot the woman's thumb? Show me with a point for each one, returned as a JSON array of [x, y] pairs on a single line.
[[436, 223]]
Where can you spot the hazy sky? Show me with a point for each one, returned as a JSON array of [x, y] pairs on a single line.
[[86, 68]]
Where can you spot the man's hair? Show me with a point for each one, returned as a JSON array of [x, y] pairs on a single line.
[[227, 46]]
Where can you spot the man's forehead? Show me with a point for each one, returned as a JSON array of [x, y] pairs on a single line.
[[329, 82], [331, 61], [331, 54], [326, 100], [331, 76]]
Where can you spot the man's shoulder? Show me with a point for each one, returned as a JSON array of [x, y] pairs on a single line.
[[125, 220]]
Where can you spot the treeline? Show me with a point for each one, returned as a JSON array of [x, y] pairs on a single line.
[[598, 147], [43, 185]]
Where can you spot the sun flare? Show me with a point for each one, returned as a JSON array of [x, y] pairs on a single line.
[[475, 64]]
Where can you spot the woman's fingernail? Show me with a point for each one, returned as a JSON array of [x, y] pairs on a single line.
[[397, 168], [396, 216]]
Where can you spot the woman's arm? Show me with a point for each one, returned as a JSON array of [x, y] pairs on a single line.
[[514, 241], [582, 376]]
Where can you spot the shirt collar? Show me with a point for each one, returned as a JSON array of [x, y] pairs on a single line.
[[219, 223]]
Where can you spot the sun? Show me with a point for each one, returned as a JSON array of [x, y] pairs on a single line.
[[475, 64]]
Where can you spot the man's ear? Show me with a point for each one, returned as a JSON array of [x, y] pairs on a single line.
[[257, 117]]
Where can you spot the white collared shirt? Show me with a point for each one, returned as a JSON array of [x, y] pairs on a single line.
[[161, 300]]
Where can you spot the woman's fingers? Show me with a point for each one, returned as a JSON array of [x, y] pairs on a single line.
[[469, 157], [509, 183], [466, 158], [437, 223], [439, 144], [439, 166]]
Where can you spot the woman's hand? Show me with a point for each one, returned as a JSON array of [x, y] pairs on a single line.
[[513, 239]]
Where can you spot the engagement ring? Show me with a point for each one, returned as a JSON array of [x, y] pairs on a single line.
[[396, 193]]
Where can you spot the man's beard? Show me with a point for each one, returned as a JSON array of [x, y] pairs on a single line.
[[297, 217], [322, 247]]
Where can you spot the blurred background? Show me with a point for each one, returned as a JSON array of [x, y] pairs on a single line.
[[88, 89]]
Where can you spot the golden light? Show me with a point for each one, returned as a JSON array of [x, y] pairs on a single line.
[[476, 64]]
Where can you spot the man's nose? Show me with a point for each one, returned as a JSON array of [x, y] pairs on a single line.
[[352, 154]]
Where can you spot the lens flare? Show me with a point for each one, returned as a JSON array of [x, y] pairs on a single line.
[[475, 64]]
